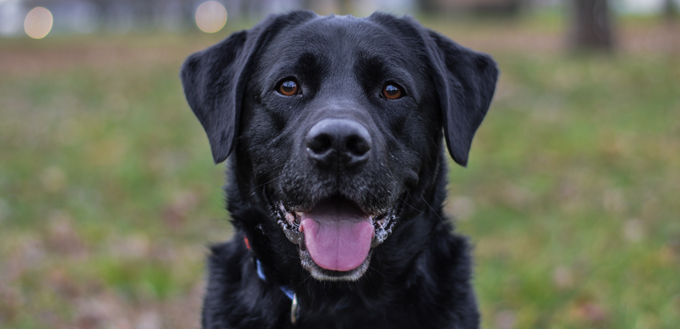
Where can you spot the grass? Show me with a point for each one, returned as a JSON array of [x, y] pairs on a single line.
[[575, 184], [108, 195]]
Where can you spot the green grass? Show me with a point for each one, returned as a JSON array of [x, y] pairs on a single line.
[[575, 181], [108, 194]]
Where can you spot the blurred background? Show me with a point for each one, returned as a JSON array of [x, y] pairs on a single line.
[[109, 197]]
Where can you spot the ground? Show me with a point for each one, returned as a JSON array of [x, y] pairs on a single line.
[[109, 198]]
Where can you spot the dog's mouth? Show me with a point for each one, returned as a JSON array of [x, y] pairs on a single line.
[[335, 236]]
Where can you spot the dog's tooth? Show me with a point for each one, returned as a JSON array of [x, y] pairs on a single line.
[[301, 242], [290, 218]]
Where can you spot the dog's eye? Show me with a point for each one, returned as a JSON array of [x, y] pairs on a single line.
[[392, 91], [288, 88]]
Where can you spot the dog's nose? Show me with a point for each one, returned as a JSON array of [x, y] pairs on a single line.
[[343, 141]]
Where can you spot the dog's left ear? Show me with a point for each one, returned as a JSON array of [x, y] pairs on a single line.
[[465, 81]]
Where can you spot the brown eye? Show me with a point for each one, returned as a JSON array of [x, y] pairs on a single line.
[[391, 91], [288, 88]]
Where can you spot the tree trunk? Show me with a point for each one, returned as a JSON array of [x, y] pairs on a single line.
[[429, 6], [309, 4], [345, 7], [591, 25], [670, 10]]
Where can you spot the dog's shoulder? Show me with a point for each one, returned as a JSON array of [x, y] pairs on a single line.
[[236, 297]]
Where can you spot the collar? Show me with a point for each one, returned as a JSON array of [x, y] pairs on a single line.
[[294, 309], [286, 290]]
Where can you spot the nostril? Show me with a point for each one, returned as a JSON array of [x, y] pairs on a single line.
[[357, 145], [320, 144], [338, 141]]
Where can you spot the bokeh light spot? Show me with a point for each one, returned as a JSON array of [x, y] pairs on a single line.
[[38, 22], [211, 16]]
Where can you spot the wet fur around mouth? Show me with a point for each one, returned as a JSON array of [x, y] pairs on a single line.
[[416, 273], [289, 221]]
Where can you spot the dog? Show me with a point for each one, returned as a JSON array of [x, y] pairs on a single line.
[[334, 128]]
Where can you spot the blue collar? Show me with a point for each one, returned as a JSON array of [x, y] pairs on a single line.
[[294, 308], [286, 290]]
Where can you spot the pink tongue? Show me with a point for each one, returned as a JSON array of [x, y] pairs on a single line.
[[337, 238]]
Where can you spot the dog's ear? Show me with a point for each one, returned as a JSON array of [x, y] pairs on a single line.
[[212, 85], [465, 81], [214, 80]]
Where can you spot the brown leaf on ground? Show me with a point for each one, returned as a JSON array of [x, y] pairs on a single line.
[[175, 213], [60, 282], [634, 230], [184, 312], [563, 277], [11, 302], [460, 207], [590, 312], [135, 246], [62, 237], [505, 319]]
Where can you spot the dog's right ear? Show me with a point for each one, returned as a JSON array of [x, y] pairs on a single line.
[[214, 80], [212, 86]]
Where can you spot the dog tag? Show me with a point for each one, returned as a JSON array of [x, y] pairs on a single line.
[[294, 310]]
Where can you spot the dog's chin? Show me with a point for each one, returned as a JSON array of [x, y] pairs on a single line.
[[335, 237]]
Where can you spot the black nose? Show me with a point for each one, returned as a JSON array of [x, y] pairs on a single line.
[[340, 141]]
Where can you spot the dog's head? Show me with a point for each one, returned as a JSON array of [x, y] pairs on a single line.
[[336, 123]]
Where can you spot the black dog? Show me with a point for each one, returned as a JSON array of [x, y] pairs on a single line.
[[338, 171]]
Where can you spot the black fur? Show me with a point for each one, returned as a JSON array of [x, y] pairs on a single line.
[[419, 277]]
